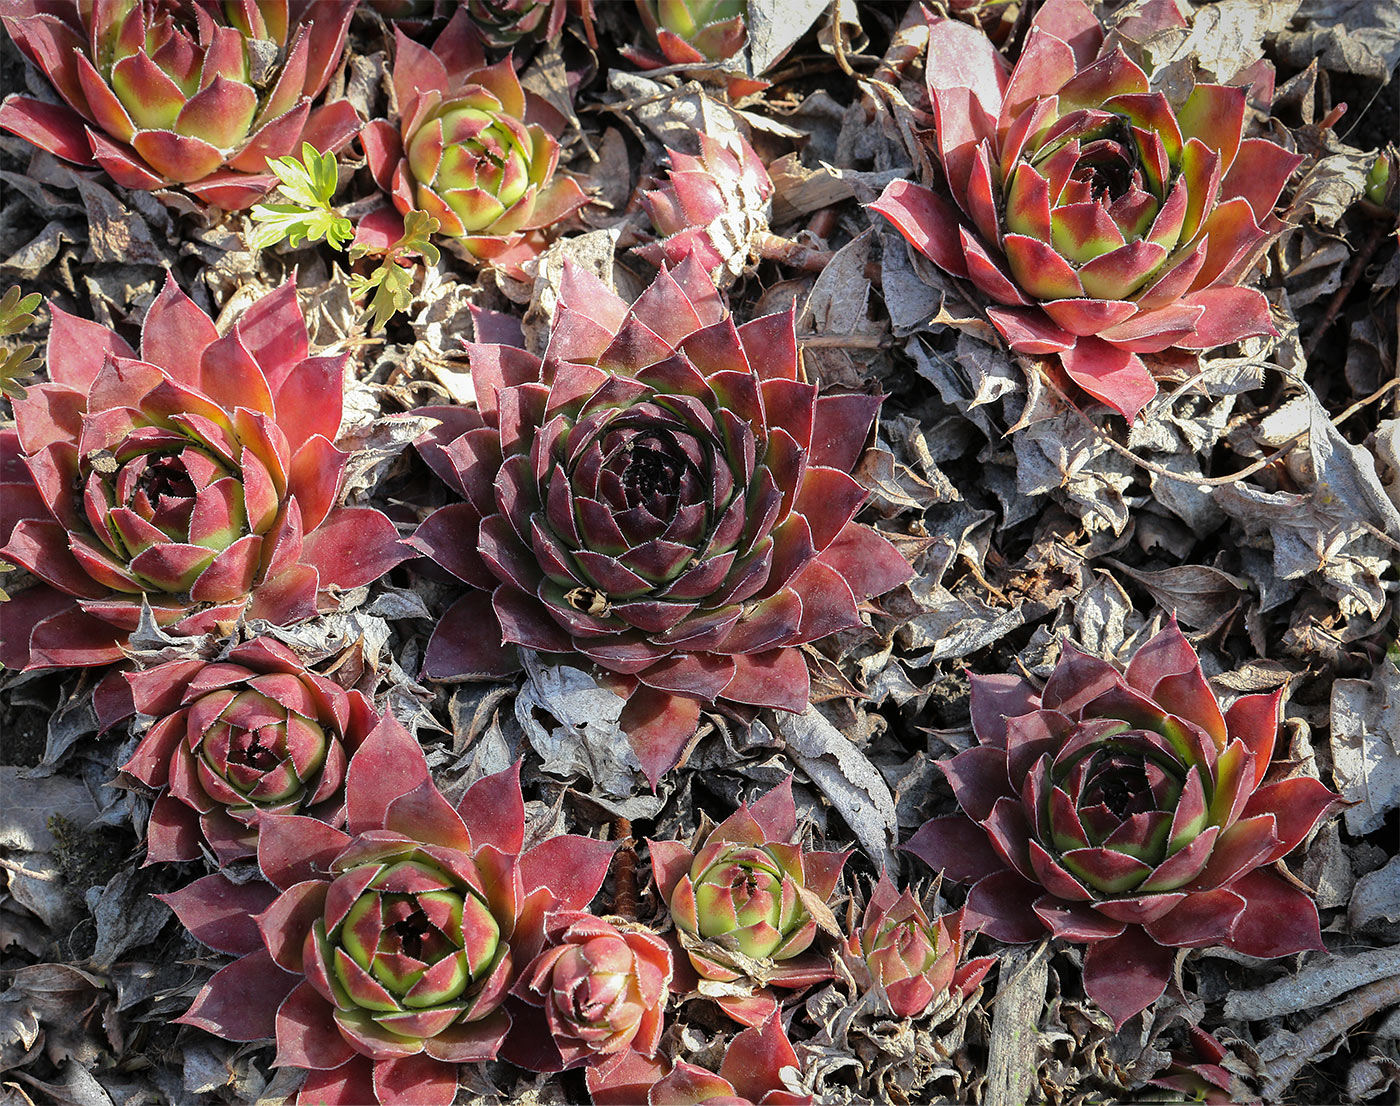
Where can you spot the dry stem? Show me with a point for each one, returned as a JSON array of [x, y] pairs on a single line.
[[625, 873], [1321, 1031]]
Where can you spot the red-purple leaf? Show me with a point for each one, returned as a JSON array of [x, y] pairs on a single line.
[[1126, 974]]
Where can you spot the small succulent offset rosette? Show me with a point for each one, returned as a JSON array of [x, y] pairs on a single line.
[[470, 148], [712, 207], [914, 958], [1102, 220], [163, 92], [381, 955], [1197, 1076], [198, 477], [503, 23], [663, 494], [1125, 810], [603, 986], [692, 32], [742, 887], [251, 734]]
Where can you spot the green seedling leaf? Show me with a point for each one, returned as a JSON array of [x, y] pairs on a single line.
[[309, 186], [391, 284], [18, 364]]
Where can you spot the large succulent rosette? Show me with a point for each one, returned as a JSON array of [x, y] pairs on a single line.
[[913, 957], [663, 494], [162, 92], [381, 955], [198, 477], [602, 987], [712, 207], [252, 734], [470, 148], [739, 888], [1126, 811], [1103, 221]]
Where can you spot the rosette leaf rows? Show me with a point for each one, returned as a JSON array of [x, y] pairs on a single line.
[[383, 953], [198, 477], [503, 23], [1102, 221], [470, 148], [744, 887], [254, 733], [162, 92], [712, 207], [661, 493], [1127, 811], [694, 32], [914, 958], [602, 987]]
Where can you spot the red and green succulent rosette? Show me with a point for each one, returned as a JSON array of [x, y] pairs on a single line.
[[710, 208], [381, 955], [602, 986], [751, 1074], [692, 32], [471, 148], [252, 734], [743, 887], [176, 92], [1197, 1075], [913, 957], [1103, 221], [504, 23], [663, 494], [197, 477], [500, 24], [1125, 810]]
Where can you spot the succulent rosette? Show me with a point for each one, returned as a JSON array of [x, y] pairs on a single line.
[[251, 734], [470, 148], [693, 32], [1125, 810], [198, 477], [602, 986], [1197, 1075], [742, 887], [662, 494], [751, 1074], [503, 23], [381, 955], [712, 207], [1103, 222], [914, 958], [176, 92]]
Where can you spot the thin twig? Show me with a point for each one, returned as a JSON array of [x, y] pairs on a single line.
[[785, 251], [1212, 481], [838, 45], [843, 341], [625, 899], [1321, 1031], [976, 574], [1334, 306], [904, 49]]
